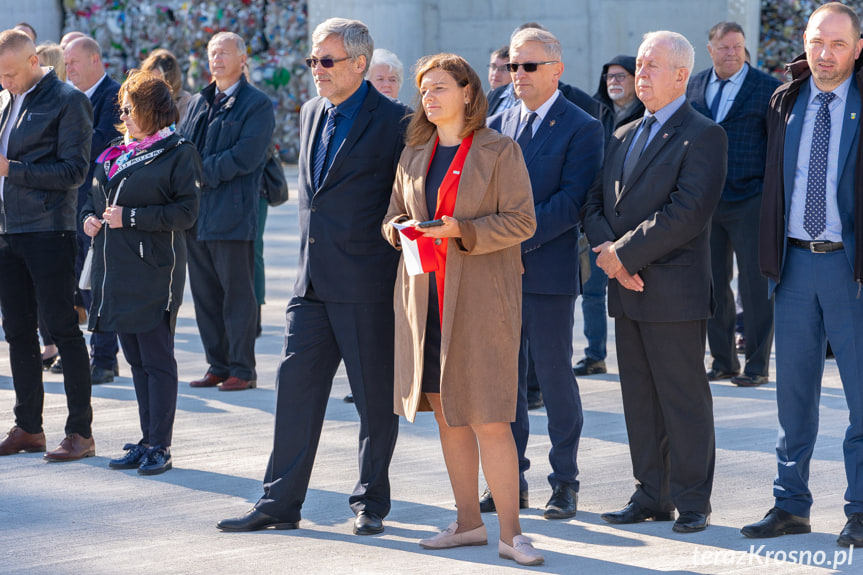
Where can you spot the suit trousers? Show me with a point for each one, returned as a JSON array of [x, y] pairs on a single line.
[[154, 373], [593, 293], [546, 338], [669, 412], [734, 231], [318, 336], [222, 275], [37, 270], [816, 301]]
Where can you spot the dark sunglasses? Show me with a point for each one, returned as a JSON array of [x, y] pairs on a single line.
[[127, 111], [528, 66], [325, 62]]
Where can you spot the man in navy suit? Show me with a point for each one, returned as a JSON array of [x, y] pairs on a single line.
[[351, 138], [562, 147], [736, 96], [84, 68], [810, 250]]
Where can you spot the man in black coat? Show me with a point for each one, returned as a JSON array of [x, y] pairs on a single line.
[[351, 138], [45, 132], [85, 70]]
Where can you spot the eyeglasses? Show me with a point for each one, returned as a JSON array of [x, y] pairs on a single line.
[[126, 111], [528, 66], [325, 62], [619, 78], [497, 68]]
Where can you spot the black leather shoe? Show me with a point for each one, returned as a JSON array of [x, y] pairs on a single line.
[[563, 503], [368, 523], [852, 533], [255, 520], [132, 459], [57, 366], [47, 362], [486, 501], [155, 461], [349, 398], [635, 513], [691, 522], [777, 522], [746, 380], [589, 366], [100, 375], [534, 400], [717, 374]]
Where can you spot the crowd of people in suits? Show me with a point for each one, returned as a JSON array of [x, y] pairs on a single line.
[[462, 231]]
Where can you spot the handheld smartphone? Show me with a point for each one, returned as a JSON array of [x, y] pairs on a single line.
[[430, 224]]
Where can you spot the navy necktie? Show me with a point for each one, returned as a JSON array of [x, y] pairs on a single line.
[[717, 100], [527, 133], [815, 212], [323, 147], [638, 147], [217, 103]]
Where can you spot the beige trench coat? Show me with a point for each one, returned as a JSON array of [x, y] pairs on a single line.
[[481, 329]]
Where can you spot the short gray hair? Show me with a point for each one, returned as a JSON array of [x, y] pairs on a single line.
[[238, 40], [682, 52], [551, 44], [389, 59], [354, 35]]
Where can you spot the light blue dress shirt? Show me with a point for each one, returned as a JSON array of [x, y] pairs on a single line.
[[662, 115], [833, 231], [729, 93]]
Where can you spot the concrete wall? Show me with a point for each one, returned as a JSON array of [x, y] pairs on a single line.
[[46, 16], [591, 31]]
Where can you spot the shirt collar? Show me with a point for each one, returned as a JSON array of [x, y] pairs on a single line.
[[349, 107], [736, 78], [663, 114], [89, 93], [841, 90], [542, 110], [229, 91]]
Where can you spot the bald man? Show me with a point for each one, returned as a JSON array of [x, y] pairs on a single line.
[[45, 132], [85, 70]]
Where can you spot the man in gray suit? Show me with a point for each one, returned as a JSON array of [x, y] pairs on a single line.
[[648, 217]]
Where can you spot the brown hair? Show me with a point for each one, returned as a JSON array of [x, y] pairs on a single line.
[[719, 31], [50, 54], [166, 63], [420, 128], [16, 40], [839, 8], [153, 106]]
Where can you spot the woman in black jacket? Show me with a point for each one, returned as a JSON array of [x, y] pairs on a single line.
[[145, 195]]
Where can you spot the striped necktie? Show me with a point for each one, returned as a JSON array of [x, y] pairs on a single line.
[[323, 147]]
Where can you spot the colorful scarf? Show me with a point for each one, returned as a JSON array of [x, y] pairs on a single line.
[[130, 148]]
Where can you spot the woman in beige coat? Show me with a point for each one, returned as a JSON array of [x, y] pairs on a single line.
[[458, 327]]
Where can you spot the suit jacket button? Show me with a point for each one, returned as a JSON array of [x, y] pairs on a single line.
[[617, 213], [437, 242], [311, 240], [314, 209]]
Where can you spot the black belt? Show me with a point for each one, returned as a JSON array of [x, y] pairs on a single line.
[[816, 247]]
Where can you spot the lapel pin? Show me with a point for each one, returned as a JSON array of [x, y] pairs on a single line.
[[853, 115], [456, 172], [665, 135], [552, 123]]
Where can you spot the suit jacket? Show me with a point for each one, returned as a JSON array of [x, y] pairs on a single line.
[[563, 158], [746, 127], [659, 220], [785, 126], [342, 253], [481, 329], [106, 116]]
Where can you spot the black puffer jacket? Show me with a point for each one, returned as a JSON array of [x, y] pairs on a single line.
[[49, 153], [139, 270]]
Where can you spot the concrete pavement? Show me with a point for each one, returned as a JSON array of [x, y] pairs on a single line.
[[84, 518]]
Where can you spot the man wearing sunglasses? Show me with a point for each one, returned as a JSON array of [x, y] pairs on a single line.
[[351, 138], [562, 147]]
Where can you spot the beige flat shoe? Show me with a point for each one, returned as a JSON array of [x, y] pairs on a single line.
[[522, 551], [448, 538]]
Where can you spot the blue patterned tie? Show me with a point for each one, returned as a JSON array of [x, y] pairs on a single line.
[[717, 100], [527, 133], [815, 213], [323, 147]]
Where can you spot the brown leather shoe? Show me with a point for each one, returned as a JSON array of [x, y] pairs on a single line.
[[73, 448], [209, 380], [18, 440], [237, 384]]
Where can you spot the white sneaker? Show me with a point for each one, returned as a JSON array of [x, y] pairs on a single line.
[[522, 551]]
